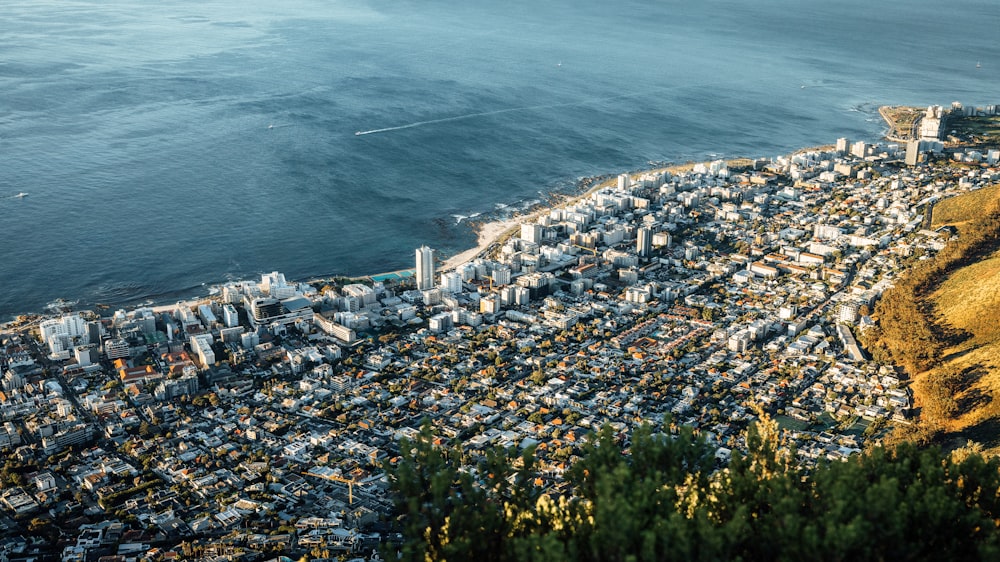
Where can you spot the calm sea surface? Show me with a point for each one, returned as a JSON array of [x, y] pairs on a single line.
[[169, 144]]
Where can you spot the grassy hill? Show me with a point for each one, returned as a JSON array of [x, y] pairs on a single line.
[[958, 211], [967, 301]]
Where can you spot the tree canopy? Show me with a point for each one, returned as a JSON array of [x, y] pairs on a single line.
[[657, 496]]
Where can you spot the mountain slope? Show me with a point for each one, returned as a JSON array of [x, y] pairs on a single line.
[[967, 302]]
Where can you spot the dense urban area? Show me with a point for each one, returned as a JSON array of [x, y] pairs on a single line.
[[259, 421]]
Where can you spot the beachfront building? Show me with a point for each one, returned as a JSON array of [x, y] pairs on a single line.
[[61, 334], [531, 233], [425, 268], [275, 285]]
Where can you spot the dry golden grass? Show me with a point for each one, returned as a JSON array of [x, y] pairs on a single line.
[[957, 211], [969, 301]]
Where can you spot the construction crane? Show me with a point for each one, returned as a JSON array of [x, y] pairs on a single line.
[[350, 488], [335, 478]]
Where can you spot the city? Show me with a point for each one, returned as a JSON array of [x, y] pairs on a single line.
[[259, 420]]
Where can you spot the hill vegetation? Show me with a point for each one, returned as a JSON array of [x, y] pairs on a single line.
[[660, 497], [940, 322], [959, 211]]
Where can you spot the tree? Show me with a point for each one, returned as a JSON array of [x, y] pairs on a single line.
[[446, 509], [653, 496]]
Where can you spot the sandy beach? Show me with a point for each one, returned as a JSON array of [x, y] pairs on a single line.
[[488, 233]]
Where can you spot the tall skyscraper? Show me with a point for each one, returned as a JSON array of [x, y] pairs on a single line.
[[644, 242], [425, 268], [912, 152]]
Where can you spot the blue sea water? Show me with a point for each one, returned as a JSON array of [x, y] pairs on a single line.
[[164, 145]]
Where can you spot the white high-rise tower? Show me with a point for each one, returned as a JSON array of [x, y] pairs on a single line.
[[644, 242], [425, 268]]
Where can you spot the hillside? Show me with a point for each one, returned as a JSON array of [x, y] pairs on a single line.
[[966, 302], [958, 211]]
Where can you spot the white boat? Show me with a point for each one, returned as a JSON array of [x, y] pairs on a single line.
[[21, 195]]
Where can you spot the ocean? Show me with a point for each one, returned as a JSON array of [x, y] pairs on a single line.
[[170, 145]]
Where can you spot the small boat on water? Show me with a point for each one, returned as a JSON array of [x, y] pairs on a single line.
[[21, 195]]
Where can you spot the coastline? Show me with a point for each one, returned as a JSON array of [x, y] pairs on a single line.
[[488, 232]]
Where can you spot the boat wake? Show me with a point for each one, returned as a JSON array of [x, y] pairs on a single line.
[[515, 109], [445, 120]]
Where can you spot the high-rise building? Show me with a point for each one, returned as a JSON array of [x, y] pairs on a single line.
[[451, 282], [531, 232], [860, 149], [425, 268], [61, 334], [202, 346], [912, 152], [274, 284], [501, 275], [229, 316], [931, 124], [263, 308], [644, 242]]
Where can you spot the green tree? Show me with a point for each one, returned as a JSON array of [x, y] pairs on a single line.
[[452, 513], [654, 496]]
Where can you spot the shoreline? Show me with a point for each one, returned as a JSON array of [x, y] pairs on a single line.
[[488, 234]]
